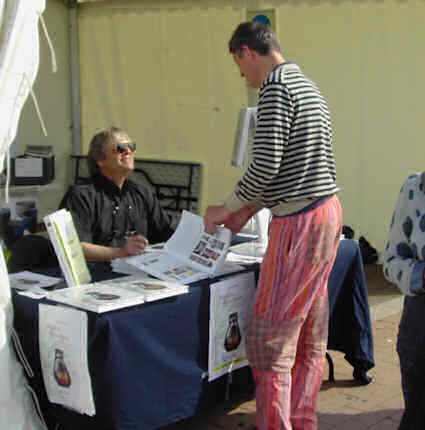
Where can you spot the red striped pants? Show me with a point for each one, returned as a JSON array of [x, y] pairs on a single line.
[[286, 335]]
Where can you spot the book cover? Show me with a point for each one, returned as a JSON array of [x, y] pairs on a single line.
[[66, 243], [116, 294]]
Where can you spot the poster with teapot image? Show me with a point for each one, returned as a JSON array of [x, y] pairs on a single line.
[[63, 356], [230, 304]]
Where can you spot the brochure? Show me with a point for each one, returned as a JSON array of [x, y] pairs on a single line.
[[28, 280], [230, 304], [67, 247], [116, 293], [63, 357], [189, 255]]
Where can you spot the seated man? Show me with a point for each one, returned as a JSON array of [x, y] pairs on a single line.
[[114, 216]]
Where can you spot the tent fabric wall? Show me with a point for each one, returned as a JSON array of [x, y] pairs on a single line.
[[161, 69], [18, 68]]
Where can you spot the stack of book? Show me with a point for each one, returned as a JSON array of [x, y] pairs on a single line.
[[66, 243], [116, 294]]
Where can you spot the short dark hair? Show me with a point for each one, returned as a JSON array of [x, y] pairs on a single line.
[[97, 146], [256, 35]]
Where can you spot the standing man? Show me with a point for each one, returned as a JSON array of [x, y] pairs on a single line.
[[113, 215], [292, 172]]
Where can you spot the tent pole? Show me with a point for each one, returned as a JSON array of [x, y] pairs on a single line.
[[75, 79]]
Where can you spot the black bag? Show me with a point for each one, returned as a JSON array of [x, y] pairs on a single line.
[[348, 232], [369, 253]]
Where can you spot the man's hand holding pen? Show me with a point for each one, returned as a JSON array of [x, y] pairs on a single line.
[[135, 245]]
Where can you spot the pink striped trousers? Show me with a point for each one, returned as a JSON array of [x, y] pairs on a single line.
[[286, 335]]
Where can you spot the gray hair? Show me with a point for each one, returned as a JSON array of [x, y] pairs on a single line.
[[97, 146]]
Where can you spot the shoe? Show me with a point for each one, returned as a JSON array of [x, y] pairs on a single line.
[[361, 376]]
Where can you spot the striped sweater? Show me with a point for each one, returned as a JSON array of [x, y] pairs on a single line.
[[292, 155]]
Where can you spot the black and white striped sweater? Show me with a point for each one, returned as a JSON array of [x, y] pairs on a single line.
[[292, 155]]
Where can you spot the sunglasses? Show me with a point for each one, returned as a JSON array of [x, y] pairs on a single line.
[[122, 147]]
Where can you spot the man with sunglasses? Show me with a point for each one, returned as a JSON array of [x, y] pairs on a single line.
[[114, 216]]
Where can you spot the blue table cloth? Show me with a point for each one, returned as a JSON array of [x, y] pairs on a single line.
[[148, 363]]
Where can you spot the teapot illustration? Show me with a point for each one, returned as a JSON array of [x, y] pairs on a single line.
[[60, 371], [233, 334]]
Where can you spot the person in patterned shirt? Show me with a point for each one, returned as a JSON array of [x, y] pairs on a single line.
[[404, 265]]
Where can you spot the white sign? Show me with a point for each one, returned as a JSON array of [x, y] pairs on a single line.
[[230, 304], [63, 356], [28, 167]]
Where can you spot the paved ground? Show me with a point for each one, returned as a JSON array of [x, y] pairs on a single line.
[[341, 405]]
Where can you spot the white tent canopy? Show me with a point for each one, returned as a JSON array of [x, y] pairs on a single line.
[[19, 60]]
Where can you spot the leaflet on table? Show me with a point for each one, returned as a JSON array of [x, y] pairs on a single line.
[[242, 259], [230, 304], [116, 294], [63, 357], [247, 252], [27, 280], [67, 246], [120, 265], [190, 254]]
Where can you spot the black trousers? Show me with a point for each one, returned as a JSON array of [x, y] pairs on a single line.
[[411, 352]]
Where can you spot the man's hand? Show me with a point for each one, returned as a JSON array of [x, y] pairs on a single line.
[[215, 215], [135, 245], [239, 218]]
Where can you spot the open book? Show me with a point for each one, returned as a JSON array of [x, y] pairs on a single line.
[[116, 293], [189, 255], [67, 247]]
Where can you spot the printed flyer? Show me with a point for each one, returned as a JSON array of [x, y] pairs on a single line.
[[230, 304], [63, 356]]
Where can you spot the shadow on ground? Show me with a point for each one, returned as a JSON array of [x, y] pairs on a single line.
[[385, 419]]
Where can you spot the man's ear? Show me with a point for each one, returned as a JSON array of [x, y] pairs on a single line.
[[244, 51], [99, 163], [248, 53]]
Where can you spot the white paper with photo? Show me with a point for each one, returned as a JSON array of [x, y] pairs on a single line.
[[151, 289], [230, 304], [26, 280], [116, 294], [157, 290], [189, 255], [167, 267], [204, 250], [63, 356]]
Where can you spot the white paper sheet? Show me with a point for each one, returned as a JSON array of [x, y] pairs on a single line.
[[242, 259], [117, 293], [27, 280], [230, 304], [189, 255], [63, 355]]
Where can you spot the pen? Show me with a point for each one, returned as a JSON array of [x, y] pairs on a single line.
[[130, 233]]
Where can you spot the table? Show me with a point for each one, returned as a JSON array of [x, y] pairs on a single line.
[[148, 363]]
